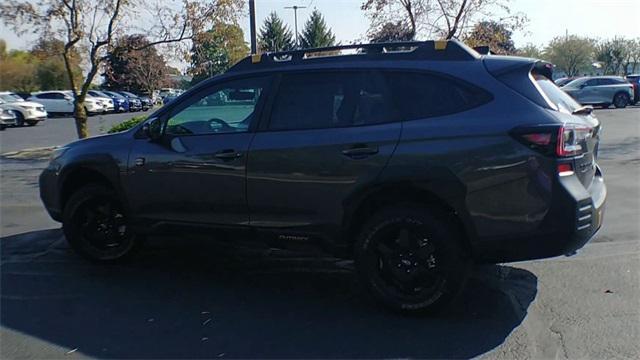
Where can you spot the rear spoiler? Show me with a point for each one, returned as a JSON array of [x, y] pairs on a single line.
[[517, 73]]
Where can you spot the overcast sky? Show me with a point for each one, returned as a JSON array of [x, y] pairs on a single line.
[[547, 19]]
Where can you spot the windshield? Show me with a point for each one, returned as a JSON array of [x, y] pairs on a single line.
[[128, 94], [576, 82], [555, 95], [114, 94], [11, 97]]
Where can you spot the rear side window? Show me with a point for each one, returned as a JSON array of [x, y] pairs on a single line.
[[420, 95], [325, 100], [557, 98]]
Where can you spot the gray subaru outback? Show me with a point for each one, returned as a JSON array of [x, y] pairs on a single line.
[[414, 159]]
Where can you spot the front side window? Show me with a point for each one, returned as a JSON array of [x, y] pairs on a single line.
[[227, 108], [331, 99]]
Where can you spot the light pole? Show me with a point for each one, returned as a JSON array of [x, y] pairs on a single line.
[[252, 24], [295, 17]]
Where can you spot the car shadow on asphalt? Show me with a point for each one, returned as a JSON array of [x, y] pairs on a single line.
[[189, 298]]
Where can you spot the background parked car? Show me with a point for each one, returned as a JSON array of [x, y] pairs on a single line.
[[135, 104], [61, 102], [634, 79], [117, 102], [105, 101], [564, 81], [121, 102], [147, 102], [7, 117], [601, 90], [26, 112]]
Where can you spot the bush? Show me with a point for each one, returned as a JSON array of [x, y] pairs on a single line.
[[127, 124]]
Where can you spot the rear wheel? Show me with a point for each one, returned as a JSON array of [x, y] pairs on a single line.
[[96, 227], [621, 100], [410, 259]]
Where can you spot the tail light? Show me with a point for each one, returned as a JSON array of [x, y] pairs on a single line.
[[572, 140], [558, 141]]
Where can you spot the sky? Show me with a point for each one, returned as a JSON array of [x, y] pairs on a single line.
[[547, 19]]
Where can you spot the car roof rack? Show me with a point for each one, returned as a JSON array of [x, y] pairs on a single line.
[[436, 50]]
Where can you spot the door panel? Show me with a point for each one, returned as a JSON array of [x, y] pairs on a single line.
[[185, 181], [300, 178], [196, 173], [329, 134]]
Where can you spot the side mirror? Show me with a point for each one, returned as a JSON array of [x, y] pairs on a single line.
[[152, 129]]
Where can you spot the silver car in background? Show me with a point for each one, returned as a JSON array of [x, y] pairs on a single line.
[[601, 90]]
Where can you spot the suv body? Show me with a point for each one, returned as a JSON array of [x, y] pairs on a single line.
[[26, 112], [330, 151], [601, 90]]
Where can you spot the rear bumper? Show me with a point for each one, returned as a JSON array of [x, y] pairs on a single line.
[[574, 218]]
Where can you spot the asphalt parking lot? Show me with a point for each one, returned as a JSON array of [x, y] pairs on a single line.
[[193, 298]]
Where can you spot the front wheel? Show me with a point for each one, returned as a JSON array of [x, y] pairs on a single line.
[[621, 100], [411, 260], [96, 227]]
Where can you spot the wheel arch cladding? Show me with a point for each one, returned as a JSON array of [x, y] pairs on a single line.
[[363, 205], [76, 175]]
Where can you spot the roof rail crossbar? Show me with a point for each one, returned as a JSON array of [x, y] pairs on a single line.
[[406, 50]]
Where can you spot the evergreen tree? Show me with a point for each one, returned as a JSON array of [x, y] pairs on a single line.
[[316, 33], [274, 35]]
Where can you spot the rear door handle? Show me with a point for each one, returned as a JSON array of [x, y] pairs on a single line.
[[360, 151], [228, 154]]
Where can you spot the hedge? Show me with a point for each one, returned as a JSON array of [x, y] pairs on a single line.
[[127, 124]]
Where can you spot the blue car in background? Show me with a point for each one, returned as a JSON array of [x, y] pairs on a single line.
[[135, 104], [120, 103]]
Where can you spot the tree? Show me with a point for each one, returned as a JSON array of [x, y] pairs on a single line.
[[492, 34], [572, 54], [90, 27], [216, 51], [17, 69], [316, 33], [612, 55], [633, 56], [134, 70], [446, 19], [274, 35], [531, 51], [51, 72], [390, 32]]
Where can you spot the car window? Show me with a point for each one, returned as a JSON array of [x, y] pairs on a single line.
[[225, 108], [421, 95], [331, 99], [592, 82], [559, 99]]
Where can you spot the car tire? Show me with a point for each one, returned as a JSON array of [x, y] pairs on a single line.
[[411, 260], [621, 100], [19, 119], [32, 123], [3, 127], [96, 227]]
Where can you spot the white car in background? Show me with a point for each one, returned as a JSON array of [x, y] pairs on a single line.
[[27, 112], [106, 102], [61, 102]]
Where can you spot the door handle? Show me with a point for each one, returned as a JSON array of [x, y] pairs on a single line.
[[360, 151], [227, 154]]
